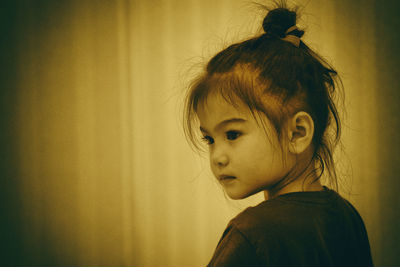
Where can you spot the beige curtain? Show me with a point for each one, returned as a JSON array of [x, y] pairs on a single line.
[[95, 167]]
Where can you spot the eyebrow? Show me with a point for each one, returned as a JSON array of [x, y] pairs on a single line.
[[225, 122]]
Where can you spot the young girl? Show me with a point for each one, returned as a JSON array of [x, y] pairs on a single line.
[[264, 107]]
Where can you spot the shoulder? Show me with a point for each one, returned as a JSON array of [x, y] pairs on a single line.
[[295, 208], [238, 245], [263, 215], [308, 227], [234, 249], [272, 216], [296, 216]]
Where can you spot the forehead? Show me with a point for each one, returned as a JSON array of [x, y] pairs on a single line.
[[216, 108]]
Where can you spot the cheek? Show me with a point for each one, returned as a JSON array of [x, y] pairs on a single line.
[[260, 156], [255, 153], [259, 160]]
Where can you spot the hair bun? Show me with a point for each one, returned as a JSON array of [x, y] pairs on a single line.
[[278, 21]]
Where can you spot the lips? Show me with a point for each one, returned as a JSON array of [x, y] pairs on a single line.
[[226, 177]]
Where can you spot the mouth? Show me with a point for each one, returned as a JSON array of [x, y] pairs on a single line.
[[226, 177]]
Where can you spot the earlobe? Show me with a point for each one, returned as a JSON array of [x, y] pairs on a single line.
[[300, 132]]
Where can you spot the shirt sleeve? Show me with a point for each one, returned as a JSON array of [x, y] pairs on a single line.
[[234, 250]]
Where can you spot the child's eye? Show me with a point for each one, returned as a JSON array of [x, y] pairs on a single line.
[[232, 135], [208, 139]]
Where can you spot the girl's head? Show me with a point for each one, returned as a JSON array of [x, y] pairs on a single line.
[[265, 106]]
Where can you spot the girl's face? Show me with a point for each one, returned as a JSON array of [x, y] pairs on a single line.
[[243, 159]]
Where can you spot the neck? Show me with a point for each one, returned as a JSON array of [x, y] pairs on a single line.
[[316, 186], [306, 181]]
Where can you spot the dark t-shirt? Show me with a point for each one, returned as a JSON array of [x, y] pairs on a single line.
[[296, 229]]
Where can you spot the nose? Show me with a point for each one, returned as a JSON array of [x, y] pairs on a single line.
[[219, 158]]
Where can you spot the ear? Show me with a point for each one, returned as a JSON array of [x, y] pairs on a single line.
[[300, 132]]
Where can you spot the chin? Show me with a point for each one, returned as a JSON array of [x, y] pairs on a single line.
[[238, 195]]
